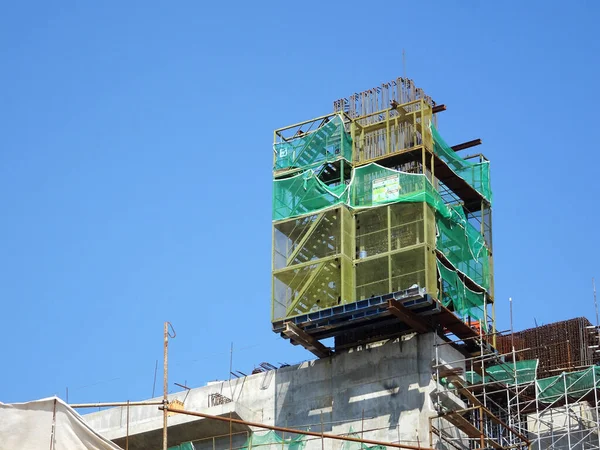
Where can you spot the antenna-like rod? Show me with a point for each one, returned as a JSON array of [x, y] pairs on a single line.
[[595, 300]]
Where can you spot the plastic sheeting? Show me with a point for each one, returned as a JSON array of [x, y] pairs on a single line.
[[47, 423]]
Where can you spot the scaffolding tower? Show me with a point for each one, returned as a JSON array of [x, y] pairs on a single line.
[[379, 227], [504, 400]]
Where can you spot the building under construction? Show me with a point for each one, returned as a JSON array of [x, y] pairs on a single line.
[[382, 240]]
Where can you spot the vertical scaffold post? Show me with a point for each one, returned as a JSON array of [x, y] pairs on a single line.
[[567, 414]]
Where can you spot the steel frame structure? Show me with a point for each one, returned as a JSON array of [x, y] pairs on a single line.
[[389, 126]]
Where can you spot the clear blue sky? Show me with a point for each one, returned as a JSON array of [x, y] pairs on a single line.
[[135, 167]]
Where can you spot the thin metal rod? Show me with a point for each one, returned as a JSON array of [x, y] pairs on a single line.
[[127, 435], [231, 395], [595, 299], [323, 430], [103, 405], [167, 335], [512, 333], [294, 431], [165, 385]]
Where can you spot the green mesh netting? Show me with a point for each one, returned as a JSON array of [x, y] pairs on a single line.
[[476, 174], [570, 386], [327, 143], [460, 298], [184, 446], [371, 185], [509, 373], [464, 246], [303, 194], [349, 445], [272, 441], [514, 373], [375, 185]]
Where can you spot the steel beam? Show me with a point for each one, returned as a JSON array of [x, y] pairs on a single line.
[[311, 344], [465, 145], [407, 316]]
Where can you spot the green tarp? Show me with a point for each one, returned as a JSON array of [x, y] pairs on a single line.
[[573, 385]]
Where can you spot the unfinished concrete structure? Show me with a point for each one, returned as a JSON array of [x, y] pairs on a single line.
[[414, 391], [385, 391]]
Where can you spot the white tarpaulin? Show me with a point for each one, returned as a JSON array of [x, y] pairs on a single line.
[[47, 424]]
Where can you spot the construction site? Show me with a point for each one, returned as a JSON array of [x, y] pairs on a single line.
[[383, 269]]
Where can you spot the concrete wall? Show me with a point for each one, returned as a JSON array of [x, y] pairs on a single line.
[[384, 389]]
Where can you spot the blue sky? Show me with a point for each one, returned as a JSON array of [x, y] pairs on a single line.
[[135, 167]]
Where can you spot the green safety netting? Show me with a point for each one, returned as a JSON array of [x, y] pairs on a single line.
[[272, 441], [327, 143], [305, 193], [375, 185], [508, 373], [570, 386], [349, 445], [371, 185], [464, 302], [184, 446], [476, 174], [464, 246]]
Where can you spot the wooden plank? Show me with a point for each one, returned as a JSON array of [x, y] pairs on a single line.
[[407, 316], [311, 344]]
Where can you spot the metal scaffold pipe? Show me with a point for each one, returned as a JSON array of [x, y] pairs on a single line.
[[295, 431], [113, 404]]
